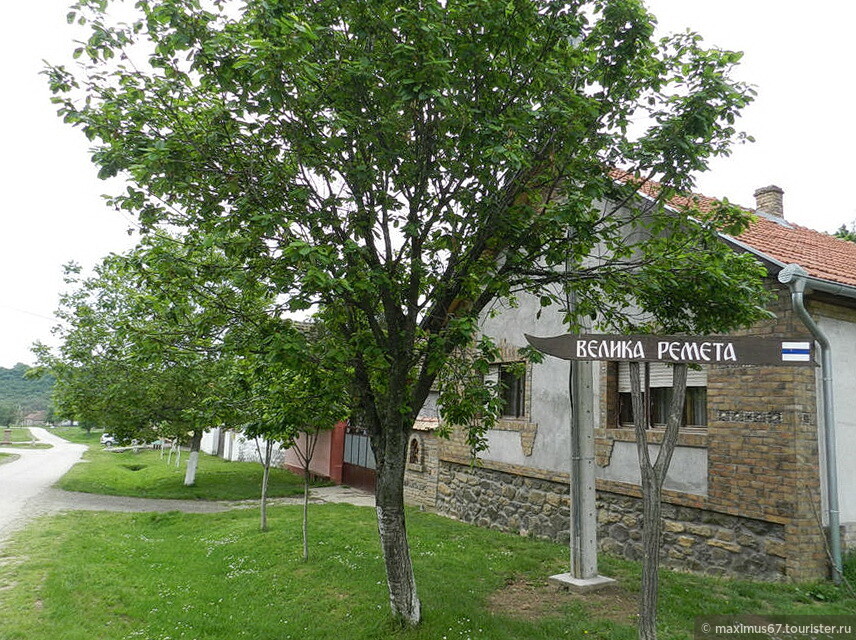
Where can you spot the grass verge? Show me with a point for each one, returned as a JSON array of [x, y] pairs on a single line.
[[159, 576], [21, 437], [147, 474], [20, 434], [8, 457]]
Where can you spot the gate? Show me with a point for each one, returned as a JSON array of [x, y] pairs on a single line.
[[358, 468]]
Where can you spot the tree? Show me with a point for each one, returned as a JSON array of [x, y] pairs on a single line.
[[847, 234], [289, 395], [134, 358], [403, 165], [299, 404], [653, 477]]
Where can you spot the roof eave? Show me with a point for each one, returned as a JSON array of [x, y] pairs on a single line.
[[812, 283]]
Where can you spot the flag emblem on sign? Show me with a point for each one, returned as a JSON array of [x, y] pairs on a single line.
[[796, 351]]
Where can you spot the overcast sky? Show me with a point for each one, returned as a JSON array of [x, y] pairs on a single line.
[[799, 56]]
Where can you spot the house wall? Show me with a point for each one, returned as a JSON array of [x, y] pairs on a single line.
[[320, 463], [326, 460], [421, 473], [839, 325], [743, 495]]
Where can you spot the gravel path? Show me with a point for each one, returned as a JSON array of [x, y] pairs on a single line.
[[25, 486]]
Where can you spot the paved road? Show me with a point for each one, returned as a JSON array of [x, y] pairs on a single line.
[[26, 492], [23, 481]]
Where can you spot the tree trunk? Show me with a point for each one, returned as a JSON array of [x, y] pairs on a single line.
[[265, 460], [389, 499], [305, 513], [193, 459], [653, 475], [651, 533]]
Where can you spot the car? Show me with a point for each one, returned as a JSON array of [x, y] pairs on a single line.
[[108, 440]]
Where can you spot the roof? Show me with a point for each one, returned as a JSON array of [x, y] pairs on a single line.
[[822, 255]]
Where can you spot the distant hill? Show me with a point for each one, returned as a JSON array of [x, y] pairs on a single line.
[[30, 395]]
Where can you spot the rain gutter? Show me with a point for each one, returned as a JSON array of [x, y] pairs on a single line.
[[798, 280]]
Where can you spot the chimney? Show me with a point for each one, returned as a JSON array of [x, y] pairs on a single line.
[[769, 200]]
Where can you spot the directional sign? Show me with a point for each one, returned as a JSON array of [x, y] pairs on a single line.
[[705, 350]]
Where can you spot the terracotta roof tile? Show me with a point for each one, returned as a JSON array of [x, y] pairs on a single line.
[[822, 255]]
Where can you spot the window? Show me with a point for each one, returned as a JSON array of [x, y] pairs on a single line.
[[695, 406], [512, 389], [413, 456]]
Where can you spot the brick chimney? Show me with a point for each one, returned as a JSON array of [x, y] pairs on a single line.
[[769, 200]]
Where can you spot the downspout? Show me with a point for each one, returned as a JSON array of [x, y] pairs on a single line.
[[795, 277]]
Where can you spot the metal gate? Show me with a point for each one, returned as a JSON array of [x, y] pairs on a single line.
[[359, 465]]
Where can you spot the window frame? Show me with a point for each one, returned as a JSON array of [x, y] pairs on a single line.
[[696, 403]]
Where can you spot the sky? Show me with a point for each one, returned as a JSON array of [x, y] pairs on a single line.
[[798, 56]]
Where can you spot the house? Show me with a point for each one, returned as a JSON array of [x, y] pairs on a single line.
[[35, 419], [328, 461], [746, 491]]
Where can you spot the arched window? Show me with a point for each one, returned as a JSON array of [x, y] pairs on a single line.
[[413, 457]]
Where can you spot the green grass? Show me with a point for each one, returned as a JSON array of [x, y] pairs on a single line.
[[8, 457], [146, 474], [23, 438], [156, 576], [78, 435], [20, 434]]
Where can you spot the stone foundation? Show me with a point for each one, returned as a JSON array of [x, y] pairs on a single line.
[[498, 500], [693, 539]]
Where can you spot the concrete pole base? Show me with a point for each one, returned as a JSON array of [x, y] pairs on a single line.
[[580, 585]]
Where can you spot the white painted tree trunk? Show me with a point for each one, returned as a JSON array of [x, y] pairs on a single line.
[[389, 498], [193, 459], [190, 474]]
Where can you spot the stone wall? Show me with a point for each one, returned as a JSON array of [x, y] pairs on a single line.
[[693, 539], [508, 502]]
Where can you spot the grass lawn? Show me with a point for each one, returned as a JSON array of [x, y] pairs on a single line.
[[8, 457], [78, 435], [156, 576], [146, 474], [20, 434], [21, 437]]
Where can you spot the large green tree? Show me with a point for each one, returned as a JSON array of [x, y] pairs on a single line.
[[405, 164], [846, 233]]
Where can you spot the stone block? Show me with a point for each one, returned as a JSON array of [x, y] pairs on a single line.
[[673, 526], [776, 548], [722, 544]]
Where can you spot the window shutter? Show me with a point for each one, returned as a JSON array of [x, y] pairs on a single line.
[[661, 376]]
